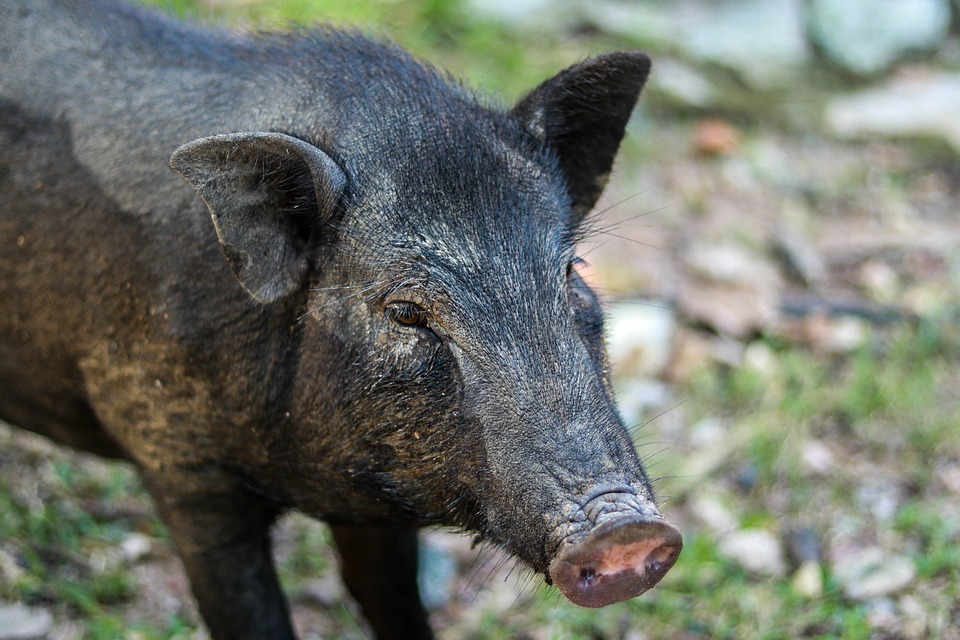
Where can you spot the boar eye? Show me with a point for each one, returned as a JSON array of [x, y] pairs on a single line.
[[408, 314]]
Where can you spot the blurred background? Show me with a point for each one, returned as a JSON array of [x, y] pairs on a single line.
[[779, 250]]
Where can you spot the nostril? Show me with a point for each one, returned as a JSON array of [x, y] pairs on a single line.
[[588, 575], [659, 560]]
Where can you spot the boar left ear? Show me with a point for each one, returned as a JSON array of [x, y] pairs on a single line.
[[267, 194], [581, 113]]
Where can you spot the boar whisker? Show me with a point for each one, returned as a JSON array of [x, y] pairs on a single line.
[[656, 416], [596, 229], [588, 226], [369, 288]]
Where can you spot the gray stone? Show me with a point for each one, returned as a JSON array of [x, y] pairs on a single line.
[[136, 547], [728, 289], [761, 359], [533, 15], [10, 572], [803, 545], [881, 615], [18, 622], [639, 337], [710, 511], [682, 83], [880, 498], [914, 617], [817, 458], [916, 105], [808, 579], [731, 310], [800, 258], [438, 570], [756, 550], [641, 399], [726, 263], [653, 22], [762, 41], [873, 573], [868, 36]]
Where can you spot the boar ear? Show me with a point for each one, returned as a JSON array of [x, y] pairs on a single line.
[[581, 113], [267, 194]]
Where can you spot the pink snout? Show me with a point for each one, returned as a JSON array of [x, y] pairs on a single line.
[[618, 560]]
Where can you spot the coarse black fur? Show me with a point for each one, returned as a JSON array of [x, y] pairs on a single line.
[[408, 343]]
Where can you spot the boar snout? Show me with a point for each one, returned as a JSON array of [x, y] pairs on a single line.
[[626, 553]]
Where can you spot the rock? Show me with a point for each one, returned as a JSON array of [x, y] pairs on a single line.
[[914, 623], [723, 263], [879, 280], [713, 514], [438, 570], [916, 105], [808, 579], [760, 358], [707, 432], [881, 615], [736, 311], [879, 498], [18, 622], [746, 477], [925, 300], [873, 572], [803, 546], [727, 351], [640, 399], [763, 42], [691, 353], [653, 22], [639, 337], [756, 550], [728, 289], [325, 592], [846, 334], [817, 457], [536, 15], [800, 259], [834, 334], [10, 571], [136, 547], [220, 4], [868, 36], [682, 83], [950, 477]]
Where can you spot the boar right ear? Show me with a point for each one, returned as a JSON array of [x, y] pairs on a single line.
[[581, 113], [267, 194]]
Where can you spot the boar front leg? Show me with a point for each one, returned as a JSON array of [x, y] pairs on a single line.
[[379, 566], [222, 532]]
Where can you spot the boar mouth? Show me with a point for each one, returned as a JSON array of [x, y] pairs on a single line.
[[625, 552]]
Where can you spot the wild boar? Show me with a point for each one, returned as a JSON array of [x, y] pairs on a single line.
[[383, 327]]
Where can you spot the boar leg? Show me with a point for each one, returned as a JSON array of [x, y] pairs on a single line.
[[223, 535], [379, 567]]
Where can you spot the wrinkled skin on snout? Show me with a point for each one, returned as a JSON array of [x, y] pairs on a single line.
[[383, 327]]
